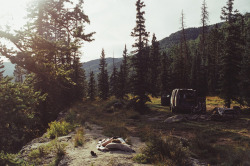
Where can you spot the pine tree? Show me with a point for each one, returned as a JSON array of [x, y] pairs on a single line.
[[245, 68], [103, 83], [79, 78], [178, 70], [181, 60], [164, 75], [202, 81], [230, 65], [154, 67], [140, 59], [123, 80], [114, 81], [52, 36], [215, 49], [92, 86]]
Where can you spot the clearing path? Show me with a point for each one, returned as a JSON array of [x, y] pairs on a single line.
[[82, 156]]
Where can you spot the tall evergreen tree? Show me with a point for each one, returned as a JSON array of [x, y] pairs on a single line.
[[140, 58], [230, 65], [164, 75], [154, 67], [123, 76], [215, 49], [245, 68], [103, 81], [114, 81], [181, 65], [92, 86], [202, 73], [79, 78], [179, 71], [52, 38]]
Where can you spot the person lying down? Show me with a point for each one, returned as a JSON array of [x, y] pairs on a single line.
[[114, 143]]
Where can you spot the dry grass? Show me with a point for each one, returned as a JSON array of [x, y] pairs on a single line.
[[215, 101], [218, 143]]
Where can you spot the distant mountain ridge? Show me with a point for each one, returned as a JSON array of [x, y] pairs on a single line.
[[191, 34], [93, 65]]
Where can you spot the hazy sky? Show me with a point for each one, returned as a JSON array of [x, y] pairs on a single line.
[[113, 20]]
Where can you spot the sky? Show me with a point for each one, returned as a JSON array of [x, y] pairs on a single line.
[[113, 20]]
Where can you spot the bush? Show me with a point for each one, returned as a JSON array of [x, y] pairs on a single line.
[[11, 159], [141, 158], [168, 150], [79, 138], [57, 129]]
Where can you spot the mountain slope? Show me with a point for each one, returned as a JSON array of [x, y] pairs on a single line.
[[93, 65], [174, 38]]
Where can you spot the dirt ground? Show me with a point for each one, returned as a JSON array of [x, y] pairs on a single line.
[[81, 155]]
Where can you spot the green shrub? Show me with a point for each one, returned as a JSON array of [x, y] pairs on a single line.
[[79, 138], [141, 158], [57, 129], [11, 159], [60, 152], [71, 117], [164, 150]]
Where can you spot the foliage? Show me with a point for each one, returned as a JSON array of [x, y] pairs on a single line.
[[18, 109], [113, 83], [230, 60], [79, 137], [164, 150], [165, 75], [103, 82], [154, 67], [53, 149], [91, 86], [48, 48], [12, 160], [141, 158], [141, 56], [245, 68], [57, 129], [123, 76]]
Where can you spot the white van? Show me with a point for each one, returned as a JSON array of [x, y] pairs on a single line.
[[183, 100]]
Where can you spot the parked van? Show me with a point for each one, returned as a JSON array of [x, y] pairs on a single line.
[[186, 101]]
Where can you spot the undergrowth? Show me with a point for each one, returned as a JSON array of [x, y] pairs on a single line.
[[57, 129], [79, 137], [164, 150]]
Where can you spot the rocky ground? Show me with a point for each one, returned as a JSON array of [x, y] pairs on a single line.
[[81, 156]]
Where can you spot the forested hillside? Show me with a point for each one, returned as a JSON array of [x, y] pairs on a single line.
[[49, 78], [93, 65]]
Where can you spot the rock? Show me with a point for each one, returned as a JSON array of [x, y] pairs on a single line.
[[223, 114], [176, 118], [65, 138], [195, 162]]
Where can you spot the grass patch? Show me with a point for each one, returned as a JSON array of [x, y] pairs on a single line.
[[53, 148], [57, 129], [208, 139], [164, 150], [79, 137]]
